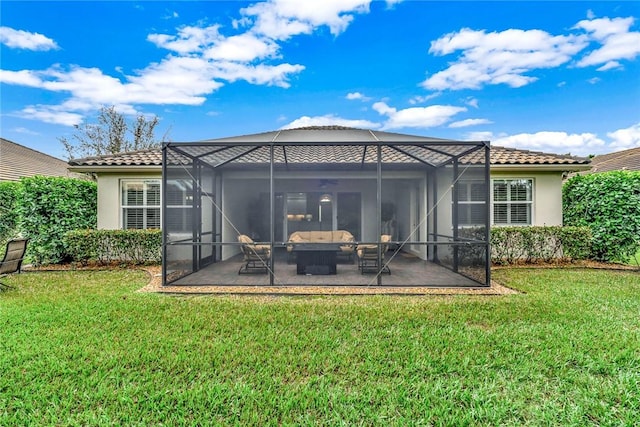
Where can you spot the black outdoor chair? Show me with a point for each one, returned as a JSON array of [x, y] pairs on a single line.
[[13, 257]]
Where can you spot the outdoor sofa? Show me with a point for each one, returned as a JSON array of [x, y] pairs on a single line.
[[335, 236]]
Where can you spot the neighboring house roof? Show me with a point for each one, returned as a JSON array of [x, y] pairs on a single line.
[[620, 160], [500, 156], [17, 161]]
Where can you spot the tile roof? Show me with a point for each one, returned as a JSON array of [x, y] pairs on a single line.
[[336, 150], [150, 157], [620, 160]]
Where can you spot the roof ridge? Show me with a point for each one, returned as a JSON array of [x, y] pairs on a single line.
[[325, 127]]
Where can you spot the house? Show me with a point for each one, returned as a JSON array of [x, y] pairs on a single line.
[[17, 161], [431, 195], [620, 160]]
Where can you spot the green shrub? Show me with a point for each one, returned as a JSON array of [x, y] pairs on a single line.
[[609, 204], [510, 245], [8, 210], [108, 246], [48, 207]]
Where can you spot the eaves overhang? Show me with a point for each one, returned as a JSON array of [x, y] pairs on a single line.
[[539, 167], [116, 169]]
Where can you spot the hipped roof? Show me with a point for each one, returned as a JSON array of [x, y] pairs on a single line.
[[335, 144]]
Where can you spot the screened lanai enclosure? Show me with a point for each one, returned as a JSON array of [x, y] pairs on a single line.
[[326, 206]]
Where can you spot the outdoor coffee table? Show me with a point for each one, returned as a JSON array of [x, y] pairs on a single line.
[[316, 258]]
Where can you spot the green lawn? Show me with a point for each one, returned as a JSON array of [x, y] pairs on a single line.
[[83, 348]]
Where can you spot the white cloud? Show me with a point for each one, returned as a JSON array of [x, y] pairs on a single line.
[[482, 136], [472, 102], [189, 39], [581, 144], [261, 74], [201, 60], [19, 39], [25, 131], [594, 80], [421, 99], [499, 57], [22, 78], [625, 138], [50, 114], [244, 48], [352, 96], [616, 40], [416, 117], [611, 65], [469, 122], [171, 15], [329, 120], [509, 57], [282, 19]]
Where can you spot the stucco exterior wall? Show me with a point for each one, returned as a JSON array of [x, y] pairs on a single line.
[[109, 212], [547, 194], [547, 198]]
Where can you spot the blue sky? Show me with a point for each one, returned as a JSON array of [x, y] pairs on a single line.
[[561, 77]]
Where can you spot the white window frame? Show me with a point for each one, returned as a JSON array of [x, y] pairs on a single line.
[[467, 202], [145, 206], [510, 203], [186, 206]]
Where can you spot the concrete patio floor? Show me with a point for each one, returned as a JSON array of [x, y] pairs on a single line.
[[409, 275]]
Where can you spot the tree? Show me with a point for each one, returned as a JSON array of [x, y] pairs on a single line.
[[112, 134]]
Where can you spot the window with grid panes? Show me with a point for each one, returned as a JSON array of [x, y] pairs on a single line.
[[140, 204], [512, 201], [471, 203], [179, 206]]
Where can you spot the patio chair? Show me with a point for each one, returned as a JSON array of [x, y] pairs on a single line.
[[13, 257], [368, 256], [257, 258]]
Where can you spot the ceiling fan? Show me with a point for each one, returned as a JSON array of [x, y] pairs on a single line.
[[324, 183]]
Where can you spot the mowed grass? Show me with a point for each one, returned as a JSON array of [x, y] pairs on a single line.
[[83, 348]]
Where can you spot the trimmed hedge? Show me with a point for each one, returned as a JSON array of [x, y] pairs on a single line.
[[510, 245], [609, 204], [109, 246], [48, 207]]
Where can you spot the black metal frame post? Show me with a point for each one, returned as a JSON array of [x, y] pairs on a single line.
[[487, 234], [379, 212], [454, 216], [272, 232], [163, 213], [195, 217]]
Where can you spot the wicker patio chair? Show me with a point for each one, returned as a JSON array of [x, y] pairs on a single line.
[[368, 256], [257, 258]]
